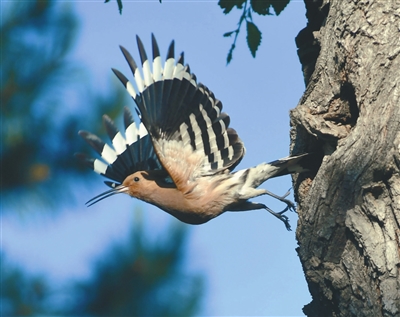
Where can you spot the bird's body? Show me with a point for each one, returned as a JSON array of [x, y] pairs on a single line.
[[181, 156]]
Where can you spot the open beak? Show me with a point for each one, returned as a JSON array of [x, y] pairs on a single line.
[[117, 190]]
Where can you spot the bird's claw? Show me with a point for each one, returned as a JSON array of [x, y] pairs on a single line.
[[280, 215], [290, 205]]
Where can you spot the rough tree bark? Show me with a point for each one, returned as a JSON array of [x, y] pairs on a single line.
[[349, 208]]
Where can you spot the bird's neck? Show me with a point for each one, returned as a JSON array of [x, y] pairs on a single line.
[[176, 203]]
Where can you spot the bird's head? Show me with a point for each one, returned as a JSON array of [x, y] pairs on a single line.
[[138, 185]]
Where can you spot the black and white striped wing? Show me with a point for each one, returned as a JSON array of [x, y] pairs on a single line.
[[181, 115], [127, 155]]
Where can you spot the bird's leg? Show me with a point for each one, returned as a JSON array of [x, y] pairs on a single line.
[[247, 205], [290, 205]]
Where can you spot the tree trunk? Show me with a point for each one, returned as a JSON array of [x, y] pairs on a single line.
[[349, 208]]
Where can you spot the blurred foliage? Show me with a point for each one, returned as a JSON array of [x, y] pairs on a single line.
[[34, 44], [39, 89], [21, 295], [139, 278], [44, 102], [135, 278]]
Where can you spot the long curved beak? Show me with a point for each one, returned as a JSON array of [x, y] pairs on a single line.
[[117, 190]]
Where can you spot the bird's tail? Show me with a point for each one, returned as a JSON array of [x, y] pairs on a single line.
[[292, 164], [255, 176]]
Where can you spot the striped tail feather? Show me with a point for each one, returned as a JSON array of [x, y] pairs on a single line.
[[173, 106], [128, 154]]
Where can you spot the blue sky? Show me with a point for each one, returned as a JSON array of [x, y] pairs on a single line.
[[249, 258]]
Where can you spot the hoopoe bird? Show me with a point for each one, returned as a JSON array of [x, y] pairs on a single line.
[[181, 155]]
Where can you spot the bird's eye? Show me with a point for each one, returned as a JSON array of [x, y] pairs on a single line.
[[136, 179]]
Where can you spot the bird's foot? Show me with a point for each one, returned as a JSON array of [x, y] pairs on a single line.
[[280, 215]]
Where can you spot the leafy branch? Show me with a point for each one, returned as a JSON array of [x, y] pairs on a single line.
[[254, 35], [245, 14]]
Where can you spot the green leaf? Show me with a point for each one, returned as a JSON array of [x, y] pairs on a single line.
[[261, 6], [279, 5], [227, 5], [253, 37]]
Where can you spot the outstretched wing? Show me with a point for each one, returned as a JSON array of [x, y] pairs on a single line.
[[190, 134], [129, 154]]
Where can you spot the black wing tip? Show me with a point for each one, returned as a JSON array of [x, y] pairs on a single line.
[[171, 50], [109, 124], [93, 140], [142, 51], [156, 50], [125, 52], [84, 159], [129, 59], [87, 136], [120, 76], [83, 133], [128, 117], [181, 59]]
